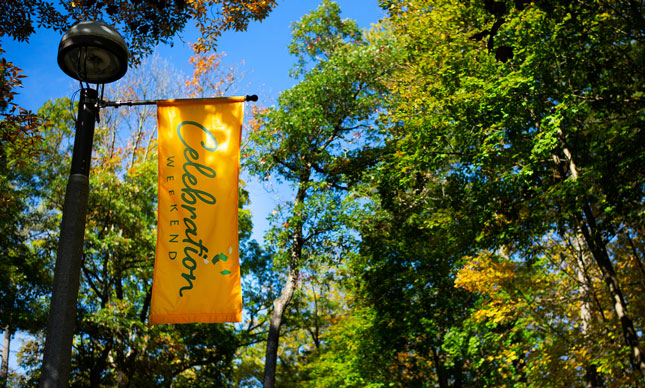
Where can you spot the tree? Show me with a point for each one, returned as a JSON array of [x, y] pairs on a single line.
[[404, 281], [523, 114], [308, 141], [18, 125], [348, 349]]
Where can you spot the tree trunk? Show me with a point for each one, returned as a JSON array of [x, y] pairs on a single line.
[[593, 237], [592, 377], [4, 369], [601, 257], [280, 304], [279, 307], [442, 378], [96, 373]]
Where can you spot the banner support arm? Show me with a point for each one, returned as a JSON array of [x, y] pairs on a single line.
[[116, 104]]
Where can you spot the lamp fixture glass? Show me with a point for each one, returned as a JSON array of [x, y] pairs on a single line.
[[93, 52]]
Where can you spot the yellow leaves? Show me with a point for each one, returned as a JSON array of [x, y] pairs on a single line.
[[483, 275], [494, 277], [256, 121], [203, 65], [506, 356], [496, 312], [604, 17], [510, 356]]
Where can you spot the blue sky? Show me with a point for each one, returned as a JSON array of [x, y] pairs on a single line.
[[262, 48]]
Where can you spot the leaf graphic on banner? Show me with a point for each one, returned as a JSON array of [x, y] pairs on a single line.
[[219, 257]]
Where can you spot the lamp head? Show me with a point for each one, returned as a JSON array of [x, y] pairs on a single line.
[[93, 52]]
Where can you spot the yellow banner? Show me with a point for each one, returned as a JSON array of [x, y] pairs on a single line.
[[197, 272]]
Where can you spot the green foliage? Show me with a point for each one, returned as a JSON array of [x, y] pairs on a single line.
[[311, 138], [347, 351], [24, 279]]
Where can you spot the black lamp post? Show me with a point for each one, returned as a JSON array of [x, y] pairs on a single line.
[[91, 52]]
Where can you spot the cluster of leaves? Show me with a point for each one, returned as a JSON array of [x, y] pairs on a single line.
[[204, 80]]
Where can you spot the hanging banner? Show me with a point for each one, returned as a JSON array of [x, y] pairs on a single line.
[[197, 272]]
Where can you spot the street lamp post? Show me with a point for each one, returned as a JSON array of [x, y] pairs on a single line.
[[91, 52]]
